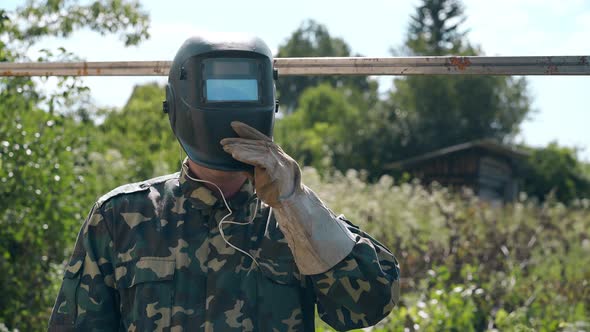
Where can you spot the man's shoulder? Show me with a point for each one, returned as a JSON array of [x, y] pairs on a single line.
[[136, 187]]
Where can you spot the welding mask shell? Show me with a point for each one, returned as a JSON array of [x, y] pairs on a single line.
[[213, 81]]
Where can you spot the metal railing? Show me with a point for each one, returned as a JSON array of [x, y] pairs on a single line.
[[419, 65]]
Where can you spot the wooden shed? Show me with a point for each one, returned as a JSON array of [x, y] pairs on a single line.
[[488, 167]]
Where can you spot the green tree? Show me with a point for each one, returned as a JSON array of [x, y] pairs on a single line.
[[312, 39], [322, 132], [42, 154], [141, 132], [435, 28], [555, 170], [342, 116], [586, 169], [440, 111], [42, 197], [38, 19]]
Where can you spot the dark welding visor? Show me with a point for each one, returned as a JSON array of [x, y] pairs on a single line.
[[230, 79], [226, 82]]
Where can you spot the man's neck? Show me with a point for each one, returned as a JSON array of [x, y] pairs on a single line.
[[229, 182]]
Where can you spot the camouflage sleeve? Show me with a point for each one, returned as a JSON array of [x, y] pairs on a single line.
[[87, 300], [362, 289]]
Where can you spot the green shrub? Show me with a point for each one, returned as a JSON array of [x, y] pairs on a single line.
[[468, 265]]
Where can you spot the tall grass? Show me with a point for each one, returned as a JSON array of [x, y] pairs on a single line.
[[470, 265]]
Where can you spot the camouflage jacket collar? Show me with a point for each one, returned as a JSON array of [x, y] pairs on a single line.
[[201, 197]]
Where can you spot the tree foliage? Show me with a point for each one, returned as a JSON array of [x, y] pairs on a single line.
[[555, 170], [330, 121], [322, 130], [43, 154], [312, 39], [38, 19], [444, 111], [60, 18], [467, 265], [140, 131], [42, 195], [436, 28], [439, 111], [420, 114]]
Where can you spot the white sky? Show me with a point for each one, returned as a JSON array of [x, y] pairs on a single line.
[[371, 28]]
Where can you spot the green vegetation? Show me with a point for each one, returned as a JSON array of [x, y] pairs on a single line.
[[465, 265], [42, 198], [469, 266], [441, 111], [45, 147], [556, 171], [312, 39], [421, 113]]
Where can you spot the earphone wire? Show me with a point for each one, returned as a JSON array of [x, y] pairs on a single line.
[[267, 222], [223, 221]]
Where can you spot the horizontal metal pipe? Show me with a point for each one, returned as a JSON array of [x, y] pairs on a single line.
[[117, 68], [431, 65]]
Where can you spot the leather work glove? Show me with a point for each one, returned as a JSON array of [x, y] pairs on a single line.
[[317, 238], [276, 175]]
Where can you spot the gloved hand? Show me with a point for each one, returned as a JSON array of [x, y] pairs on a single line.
[[276, 175], [317, 238]]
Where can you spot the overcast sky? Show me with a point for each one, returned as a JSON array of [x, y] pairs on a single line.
[[371, 28]]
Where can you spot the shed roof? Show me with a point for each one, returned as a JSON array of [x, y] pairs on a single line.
[[487, 144]]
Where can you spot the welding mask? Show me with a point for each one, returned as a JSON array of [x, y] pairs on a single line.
[[213, 81]]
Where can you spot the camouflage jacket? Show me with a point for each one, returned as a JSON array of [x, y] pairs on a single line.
[[150, 257]]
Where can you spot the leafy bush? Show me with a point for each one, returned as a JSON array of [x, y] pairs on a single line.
[[556, 171], [42, 199], [468, 265], [44, 149]]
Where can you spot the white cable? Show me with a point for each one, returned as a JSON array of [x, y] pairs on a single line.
[[268, 222], [222, 221]]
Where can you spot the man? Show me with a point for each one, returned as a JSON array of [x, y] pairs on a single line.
[[234, 241]]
